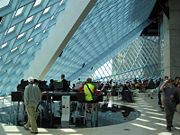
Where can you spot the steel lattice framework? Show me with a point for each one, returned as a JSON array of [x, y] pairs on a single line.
[[109, 27], [24, 25], [141, 59]]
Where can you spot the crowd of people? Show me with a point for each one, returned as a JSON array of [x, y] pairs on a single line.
[[168, 94], [168, 90], [33, 93]]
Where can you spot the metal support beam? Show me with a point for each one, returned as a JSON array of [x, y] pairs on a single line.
[[123, 42]]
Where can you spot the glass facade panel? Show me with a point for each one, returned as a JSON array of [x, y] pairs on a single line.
[[21, 35], [97, 39]]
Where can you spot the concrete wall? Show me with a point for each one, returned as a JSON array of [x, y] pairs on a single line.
[[174, 35], [172, 40]]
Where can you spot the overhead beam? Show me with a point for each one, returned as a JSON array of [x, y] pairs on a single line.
[[67, 24], [122, 41]]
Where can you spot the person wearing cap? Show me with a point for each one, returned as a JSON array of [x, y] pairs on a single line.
[[168, 90], [32, 97], [89, 86]]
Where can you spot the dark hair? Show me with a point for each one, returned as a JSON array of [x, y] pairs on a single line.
[[36, 81], [52, 80], [62, 76], [88, 80]]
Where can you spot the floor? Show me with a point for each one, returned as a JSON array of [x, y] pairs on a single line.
[[151, 122]]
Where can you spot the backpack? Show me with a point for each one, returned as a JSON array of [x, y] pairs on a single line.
[[176, 98]]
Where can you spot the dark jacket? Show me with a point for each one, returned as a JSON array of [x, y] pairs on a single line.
[[65, 85]]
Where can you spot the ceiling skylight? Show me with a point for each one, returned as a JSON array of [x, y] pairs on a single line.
[[14, 49], [52, 17], [21, 35], [19, 11], [30, 39], [11, 29], [44, 31], [46, 10], [38, 2], [29, 20], [4, 45], [38, 25], [61, 2]]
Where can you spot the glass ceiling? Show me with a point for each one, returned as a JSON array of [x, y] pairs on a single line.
[[4, 3], [25, 24], [109, 27], [139, 60]]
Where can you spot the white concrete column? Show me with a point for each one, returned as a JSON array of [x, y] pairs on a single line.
[[174, 35], [166, 45], [67, 23]]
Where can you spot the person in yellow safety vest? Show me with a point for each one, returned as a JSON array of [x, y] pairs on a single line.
[[88, 95]]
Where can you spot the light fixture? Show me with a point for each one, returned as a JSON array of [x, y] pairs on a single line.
[[37, 2]]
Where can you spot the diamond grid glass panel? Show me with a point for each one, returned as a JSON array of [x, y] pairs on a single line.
[[21, 34], [97, 37], [128, 65]]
